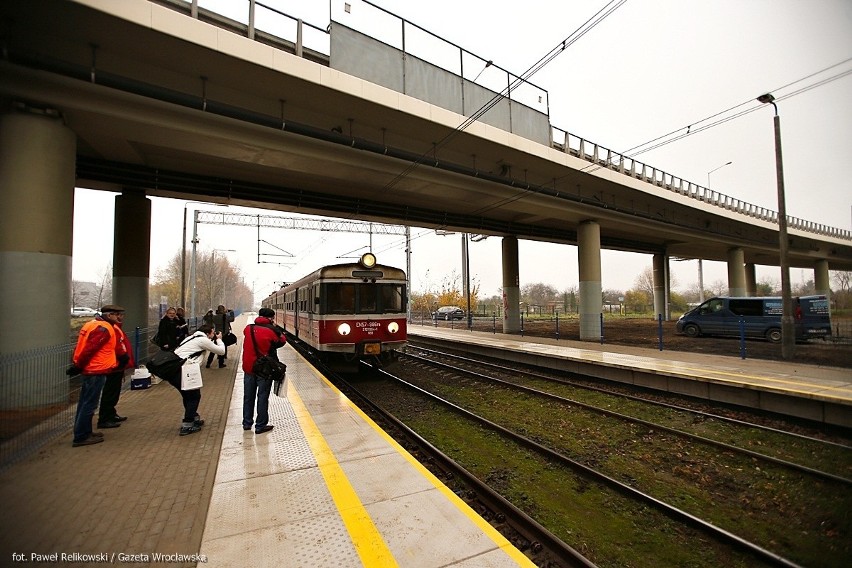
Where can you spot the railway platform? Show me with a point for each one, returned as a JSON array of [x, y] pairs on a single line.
[[821, 394], [325, 487]]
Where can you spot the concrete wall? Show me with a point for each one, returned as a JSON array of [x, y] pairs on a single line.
[[359, 55]]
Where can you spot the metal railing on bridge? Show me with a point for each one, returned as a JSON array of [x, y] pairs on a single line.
[[255, 15]]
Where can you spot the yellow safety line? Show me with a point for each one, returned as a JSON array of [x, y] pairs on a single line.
[[368, 541], [495, 535]]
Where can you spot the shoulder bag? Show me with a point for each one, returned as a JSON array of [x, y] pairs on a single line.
[[266, 367], [166, 364]]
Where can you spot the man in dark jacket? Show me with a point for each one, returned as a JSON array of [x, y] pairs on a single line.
[[222, 323], [269, 338]]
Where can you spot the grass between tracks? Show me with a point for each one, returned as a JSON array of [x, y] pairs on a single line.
[[607, 528], [801, 519]]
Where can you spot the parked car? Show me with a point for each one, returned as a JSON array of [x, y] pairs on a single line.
[[448, 313], [83, 312]]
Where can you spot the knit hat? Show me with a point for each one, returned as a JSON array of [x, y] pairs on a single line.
[[266, 313]]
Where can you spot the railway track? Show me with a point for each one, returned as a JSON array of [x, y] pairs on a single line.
[[634, 517], [524, 532], [816, 456]]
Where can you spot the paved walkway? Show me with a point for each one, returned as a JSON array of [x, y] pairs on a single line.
[[145, 489]]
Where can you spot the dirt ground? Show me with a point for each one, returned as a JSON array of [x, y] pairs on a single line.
[[645, 333]]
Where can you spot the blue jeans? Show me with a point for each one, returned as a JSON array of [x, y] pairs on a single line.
[[254, 388], [90, 395]]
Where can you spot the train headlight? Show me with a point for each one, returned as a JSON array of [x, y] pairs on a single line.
[[393, 327], [368, 260], [344, 329]]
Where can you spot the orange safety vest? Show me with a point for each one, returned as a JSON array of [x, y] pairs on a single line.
[[104, 360]]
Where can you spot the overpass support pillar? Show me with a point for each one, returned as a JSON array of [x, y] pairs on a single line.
[[131, 258], [589, 260], [822, 284], [750, 280], [661, 286], [736, 272], [511, 286], [37, 165]]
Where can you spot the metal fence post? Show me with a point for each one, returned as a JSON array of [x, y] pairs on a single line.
[[136, 345], [742, 339], [660, 330]]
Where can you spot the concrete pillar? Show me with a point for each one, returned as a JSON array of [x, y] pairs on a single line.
[[37, 162], [736, 272], [131, 258], [511, 286], [822, 284], [750, 280], [589, 260], [660, 277]]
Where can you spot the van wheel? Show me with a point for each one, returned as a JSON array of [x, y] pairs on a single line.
[[691, 330], [774, 335]]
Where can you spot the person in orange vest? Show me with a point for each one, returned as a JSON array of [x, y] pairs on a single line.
[[94, 358], [107, 415]]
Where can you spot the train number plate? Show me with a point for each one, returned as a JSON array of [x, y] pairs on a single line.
[[372, 349]]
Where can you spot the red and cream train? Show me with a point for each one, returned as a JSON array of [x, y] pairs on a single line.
[[346, 311]]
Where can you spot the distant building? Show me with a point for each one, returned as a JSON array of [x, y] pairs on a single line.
[[88, 295]]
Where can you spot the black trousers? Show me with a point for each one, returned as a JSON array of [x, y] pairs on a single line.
[[109, 397], [221, 357], [191, 398]]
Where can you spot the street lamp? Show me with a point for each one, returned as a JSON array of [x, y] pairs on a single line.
[[700, 261], [787, 329], [715, 169], [223, 272]]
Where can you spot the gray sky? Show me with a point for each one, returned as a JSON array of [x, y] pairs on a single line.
[[651, 68]]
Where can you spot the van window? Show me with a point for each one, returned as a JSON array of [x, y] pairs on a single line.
[[711, 306], [746, 307]]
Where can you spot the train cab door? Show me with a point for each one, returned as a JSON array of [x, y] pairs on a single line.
[[312, 309], [296, 320]]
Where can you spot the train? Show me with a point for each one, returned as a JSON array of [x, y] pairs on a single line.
[[346, 312]]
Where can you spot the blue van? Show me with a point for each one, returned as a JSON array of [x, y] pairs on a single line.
[[761, 318]]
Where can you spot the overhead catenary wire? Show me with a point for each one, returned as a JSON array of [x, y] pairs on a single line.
[[699, 126], [587, 26]]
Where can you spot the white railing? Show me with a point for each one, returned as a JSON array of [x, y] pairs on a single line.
[[603, 157]]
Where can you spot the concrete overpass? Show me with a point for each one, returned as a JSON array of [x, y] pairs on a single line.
[[155, 98]]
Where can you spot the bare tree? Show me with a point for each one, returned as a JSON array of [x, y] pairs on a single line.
[[843, 288], [539, 294], [104, 286], [645, 282]]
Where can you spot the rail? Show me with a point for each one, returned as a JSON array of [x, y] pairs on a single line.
[[562, 140]]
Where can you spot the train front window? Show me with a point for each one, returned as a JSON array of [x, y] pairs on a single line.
[[363, 298], [340, 298], [368, 299], [393, 297]]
